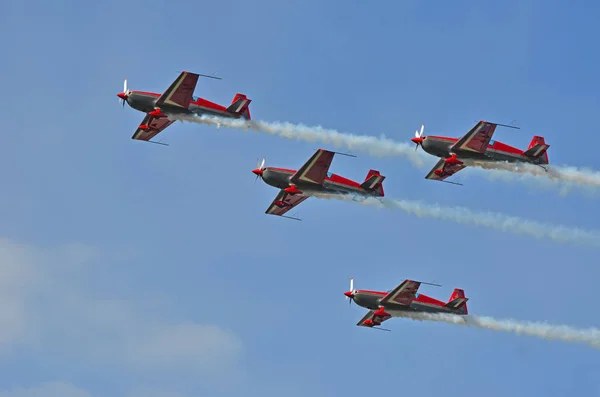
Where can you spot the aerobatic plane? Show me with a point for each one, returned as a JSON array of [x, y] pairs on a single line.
[[177, 99], [314, 177], [476, 145], [402, 299]]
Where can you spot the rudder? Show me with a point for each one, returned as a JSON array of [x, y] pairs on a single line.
[[458, 301]]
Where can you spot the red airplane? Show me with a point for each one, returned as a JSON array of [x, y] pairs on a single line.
[[178, 99], [314, 177], [477, 145], [402, 299]]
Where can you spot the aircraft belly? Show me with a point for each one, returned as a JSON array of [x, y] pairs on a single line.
[[492, 155], [338, 188], [167, 109], [420, 307], [467, 154], [204, 111]]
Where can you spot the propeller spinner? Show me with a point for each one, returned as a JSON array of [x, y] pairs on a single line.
[[123, 95], [418, 139], [350, 294], [260, 167]]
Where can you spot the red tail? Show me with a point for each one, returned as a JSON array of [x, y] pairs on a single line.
[[374, 182], [538, 149], [240, 105], [458, 301]]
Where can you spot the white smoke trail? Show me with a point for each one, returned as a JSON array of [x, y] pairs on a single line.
[[378, 147], [590, 336], [563, 177], [501, 222]]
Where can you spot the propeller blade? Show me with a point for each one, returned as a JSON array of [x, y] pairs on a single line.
[[352, 284], [263, 163], [422, 128], [125, 86]]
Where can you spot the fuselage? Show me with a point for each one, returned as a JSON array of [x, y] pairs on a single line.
[[422, 303], [496, 151], [146, 102], [334, 184]]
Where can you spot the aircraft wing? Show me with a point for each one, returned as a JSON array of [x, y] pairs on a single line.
[[180, 91], [156, 126], [402, 294], [284, 202], [315, 169], [477, 139], [377, 320], [443, 170]]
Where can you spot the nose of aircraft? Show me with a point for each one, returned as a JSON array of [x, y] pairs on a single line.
[[418, 140], [122, 95], [257, 171], [348, 294]]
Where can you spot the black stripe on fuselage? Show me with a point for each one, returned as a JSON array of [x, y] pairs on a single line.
[[371, 301], [441, 148], [281, 179], [146, 103]]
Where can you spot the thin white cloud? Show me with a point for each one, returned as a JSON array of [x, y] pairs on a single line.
[[66, 389], [173, 346], [44, 308], [49, 389]]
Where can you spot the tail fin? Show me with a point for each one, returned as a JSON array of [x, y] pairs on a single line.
[[537, 149], [374, 182], [240, 105], [458, 302]]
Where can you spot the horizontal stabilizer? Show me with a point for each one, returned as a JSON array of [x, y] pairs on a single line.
[[536, 150], [240, 105], [457, 303], [373, 182]]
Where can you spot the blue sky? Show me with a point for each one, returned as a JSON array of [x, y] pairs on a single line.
[[131, 269]]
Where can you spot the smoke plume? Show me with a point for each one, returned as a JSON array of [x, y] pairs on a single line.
[[562, 177], [501, 222], [590, 336]]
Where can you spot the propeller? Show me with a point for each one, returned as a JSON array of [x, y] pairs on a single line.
[[123, 95], [418, 139], [350, 293], [260, 167]]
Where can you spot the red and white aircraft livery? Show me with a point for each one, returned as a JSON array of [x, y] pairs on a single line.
[[477, 145], [177, 99], [314, 177], [402, 299]]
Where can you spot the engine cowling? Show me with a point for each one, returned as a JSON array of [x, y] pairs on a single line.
[[292, 190]]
